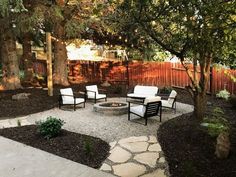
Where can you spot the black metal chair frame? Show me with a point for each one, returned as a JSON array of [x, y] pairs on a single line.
[[173, 104], [152, 109], [74, 105], [95, 96]]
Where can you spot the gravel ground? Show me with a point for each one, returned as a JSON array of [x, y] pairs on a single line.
[[106, 127]]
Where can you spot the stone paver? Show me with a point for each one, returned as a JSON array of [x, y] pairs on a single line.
[[105, 167], [133, 139], [157, 173], [162, 160], [112, 144], [136, 146], [152, 139], [147, 158], [129, 170], [135, 156], [155, 147], [119, 155]]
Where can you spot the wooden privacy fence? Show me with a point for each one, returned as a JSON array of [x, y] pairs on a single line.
[[145, 73]]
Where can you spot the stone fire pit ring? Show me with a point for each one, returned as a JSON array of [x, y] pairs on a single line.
[[111, 108]]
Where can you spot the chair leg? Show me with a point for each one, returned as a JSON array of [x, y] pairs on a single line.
[[145, 120], [74, 107], [160, 112], [84, 104]]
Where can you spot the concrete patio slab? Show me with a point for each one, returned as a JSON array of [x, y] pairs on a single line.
[[19, 160]]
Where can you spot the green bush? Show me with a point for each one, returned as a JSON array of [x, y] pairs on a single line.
[[216, 123], [223, 94], [166, 90], [51, 127], [88, 146]]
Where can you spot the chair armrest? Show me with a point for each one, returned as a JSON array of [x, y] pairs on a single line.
[[90, 91], [66, 95], [135, 101], [162, 95], [100, 90]]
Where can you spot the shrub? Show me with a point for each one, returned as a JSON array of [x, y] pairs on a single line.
[[88, 146], [165, 90], [216, 123], [223, 94], [51, 127]]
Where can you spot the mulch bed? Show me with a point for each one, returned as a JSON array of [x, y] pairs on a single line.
[[189, 150], [80, 148]]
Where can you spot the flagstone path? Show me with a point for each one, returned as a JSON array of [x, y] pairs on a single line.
[[136, 156]]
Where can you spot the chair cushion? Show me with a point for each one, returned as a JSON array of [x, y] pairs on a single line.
[[172, 96], [165, 103], [67, 91], [151, 99], [92, 88], [77, 101], [147, 90], [139, 110]]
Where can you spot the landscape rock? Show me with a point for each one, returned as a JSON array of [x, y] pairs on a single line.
[[129, 170]]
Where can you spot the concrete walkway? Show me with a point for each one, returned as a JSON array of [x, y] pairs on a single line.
[[19, 160]]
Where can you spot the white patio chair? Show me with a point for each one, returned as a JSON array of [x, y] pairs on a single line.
[[92, 93], [67, 98], [171, 101], [150, 107]]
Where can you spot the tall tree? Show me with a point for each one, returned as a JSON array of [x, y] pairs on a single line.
[[193, 30], [10, 66]]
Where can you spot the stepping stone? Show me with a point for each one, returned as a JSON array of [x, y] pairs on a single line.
[[105, 167], [119, 155], [152, 139], [133, 139], [155, 147], [129, 170], [136, 146], [157, 173], [112, 144], [147, 158], [162, 160]]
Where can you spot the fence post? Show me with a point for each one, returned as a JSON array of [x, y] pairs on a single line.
[[49, 64]]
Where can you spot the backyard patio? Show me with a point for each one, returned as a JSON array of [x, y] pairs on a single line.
[[131, 143]]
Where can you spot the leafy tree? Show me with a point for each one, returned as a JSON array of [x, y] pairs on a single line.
[[195, 29], [10, 66]]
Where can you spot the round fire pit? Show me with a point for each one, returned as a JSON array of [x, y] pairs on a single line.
[[111, 108]]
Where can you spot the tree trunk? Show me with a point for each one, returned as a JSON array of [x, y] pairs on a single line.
[[60, 75], [27, 58], [199, 104], [10, 63]]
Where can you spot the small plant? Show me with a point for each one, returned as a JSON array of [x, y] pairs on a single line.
[[51, 127], [165, 90], [18, 122], [223, 94], [88, 146], [216, 124]]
